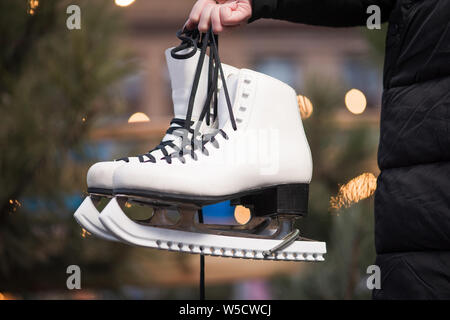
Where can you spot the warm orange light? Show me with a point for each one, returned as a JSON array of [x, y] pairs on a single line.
[[123, 3], [138, 117], [7, 296], [84, 233], [305, 106], [242, 214], [14, 204], [357, 189], [33, 6], [355, 101]]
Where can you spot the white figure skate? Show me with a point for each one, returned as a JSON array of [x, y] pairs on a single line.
[[187, 66], [259, 158]]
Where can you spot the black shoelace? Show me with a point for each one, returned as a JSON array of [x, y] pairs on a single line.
[[208, 40], [163, 144], [192, 40]]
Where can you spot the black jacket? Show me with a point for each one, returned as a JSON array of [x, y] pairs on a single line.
[[412, 201]]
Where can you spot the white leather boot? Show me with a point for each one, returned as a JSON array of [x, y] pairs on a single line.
[[268, 149], [100, 176]]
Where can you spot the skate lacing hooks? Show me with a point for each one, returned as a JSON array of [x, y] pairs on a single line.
[[287, 241]]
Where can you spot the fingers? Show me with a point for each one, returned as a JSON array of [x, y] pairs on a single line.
[[196, 12], [205, 18], [215, 20], [233, 16], [221, 14]]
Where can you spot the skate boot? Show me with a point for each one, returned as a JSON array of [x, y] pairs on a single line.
[[189, 71], [259, 157]]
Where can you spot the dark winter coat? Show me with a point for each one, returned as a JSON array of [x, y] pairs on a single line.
[[412, 201]]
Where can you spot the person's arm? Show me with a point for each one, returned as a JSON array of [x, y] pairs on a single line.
[[331, 13]]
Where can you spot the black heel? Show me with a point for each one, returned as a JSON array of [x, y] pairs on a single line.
[[290, 199]]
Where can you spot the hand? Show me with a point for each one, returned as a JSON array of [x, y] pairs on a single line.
[[222, 14]]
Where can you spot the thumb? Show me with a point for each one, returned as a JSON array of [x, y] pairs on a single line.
[[232, 14]]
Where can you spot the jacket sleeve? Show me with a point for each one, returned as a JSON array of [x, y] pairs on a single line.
[[330, 13]]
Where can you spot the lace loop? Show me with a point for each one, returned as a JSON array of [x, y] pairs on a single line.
[[193, 40], [189, 39]]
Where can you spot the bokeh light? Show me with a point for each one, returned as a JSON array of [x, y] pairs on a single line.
[[357, 189], [355, 101], [85, 233], [305, 106], [138, 117], [33, 4], [123, 3], [242, 214]]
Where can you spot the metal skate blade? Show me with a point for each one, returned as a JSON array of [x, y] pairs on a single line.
[[155, 202], [254, 226], [159, 218], [274, 227], [87, 217], [117, 222]]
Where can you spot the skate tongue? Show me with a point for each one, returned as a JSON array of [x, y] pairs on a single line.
[[181, 73], [223, 114]]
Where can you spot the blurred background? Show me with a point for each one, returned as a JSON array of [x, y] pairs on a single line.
[[69, 98]]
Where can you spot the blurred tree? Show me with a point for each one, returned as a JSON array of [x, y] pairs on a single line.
[[54, 83], [377, 41]]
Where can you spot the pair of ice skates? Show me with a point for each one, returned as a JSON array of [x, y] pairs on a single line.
[[237, 135]]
